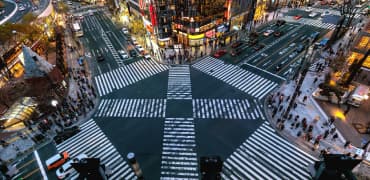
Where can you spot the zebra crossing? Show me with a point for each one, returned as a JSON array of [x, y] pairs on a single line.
[[317, 23], [179, 83], [179, 157], [127, 75], [314, 65], [112, 49], [132, 108], [332, 12], [265, 155], [92, 142], [226, 109], [241, 79]]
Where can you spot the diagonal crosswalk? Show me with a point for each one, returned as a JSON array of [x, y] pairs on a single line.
[[132, 108], [179, 157], [179, 84], [317, 23], [93, 142], [265, 155], [127, 75], [226, 109], [241, 79]]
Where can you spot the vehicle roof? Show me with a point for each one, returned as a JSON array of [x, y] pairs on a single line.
[[53, 159]]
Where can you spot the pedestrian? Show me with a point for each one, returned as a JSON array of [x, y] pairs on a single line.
[[304, 98], [310, 128], [347, 109], [326, 133], [331, 120], [315, 80], [332, 130], [335, 136], [297, 125], [295, 105], [347, 144]]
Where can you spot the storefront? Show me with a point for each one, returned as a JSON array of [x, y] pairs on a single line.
[[22, 110]]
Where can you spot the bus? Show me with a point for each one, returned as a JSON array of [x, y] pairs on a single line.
[[77, 30]]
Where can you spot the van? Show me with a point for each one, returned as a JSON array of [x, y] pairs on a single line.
[[67, 168], [57, 160]]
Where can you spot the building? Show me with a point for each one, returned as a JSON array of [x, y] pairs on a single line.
[[360, 45], [191, 28]]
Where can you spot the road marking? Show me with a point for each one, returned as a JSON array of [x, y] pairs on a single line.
[[266, 71], [41, 167]]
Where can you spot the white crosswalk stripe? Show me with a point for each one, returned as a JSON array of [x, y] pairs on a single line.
[[226, 109], [132, 108], [265, 155], [179, 157], [317, 23], [332, 12], [127, 75], [92, 142], [241, 79], [316, 63], [179, 83]]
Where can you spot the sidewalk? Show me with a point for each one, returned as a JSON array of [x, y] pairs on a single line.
[[78, 106], [307, 125]]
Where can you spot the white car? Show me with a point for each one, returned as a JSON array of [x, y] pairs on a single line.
[[69, 3], [291, 45], [123, 54], [325, 13], [140, 49], [125, 30], [264, 55], [21, 8], [283, 51], [308, 9], [268, 32], [147, 57], [67, 168], [293, 54], [313, 14]]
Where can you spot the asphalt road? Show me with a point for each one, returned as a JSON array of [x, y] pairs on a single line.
[[102, 36], [171, 116], [27, 4], [8, 8]]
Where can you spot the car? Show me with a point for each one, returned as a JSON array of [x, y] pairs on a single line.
[[123, 54], [99, 57], [297, 17], [325, 13], [280, 22], [300, 48], [293, 54], [253, 42], [236, 52], [314, 35], [308, 9], [277, 33], [147, 57], [69, 3], [66, 133], [292, 44], [333, 2], [125, 30], [219, 53], [236, 44], [313, 14], [268, 32], [358, 6], [67, 168], [278, 67], [133, 53], [283, 51], [21, 8], [264, 54], [303, 38], [57, 160], [258, 47]]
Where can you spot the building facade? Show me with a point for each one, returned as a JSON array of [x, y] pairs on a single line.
[[191, 28]]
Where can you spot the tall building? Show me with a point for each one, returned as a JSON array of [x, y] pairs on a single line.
[[191, 27]]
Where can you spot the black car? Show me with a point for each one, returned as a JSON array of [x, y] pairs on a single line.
[[280, 22], [236, 52], [99, 57], [133, 53], [67, 133], [259, 47]]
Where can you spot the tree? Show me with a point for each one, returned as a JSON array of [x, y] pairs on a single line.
[[28, 18]]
